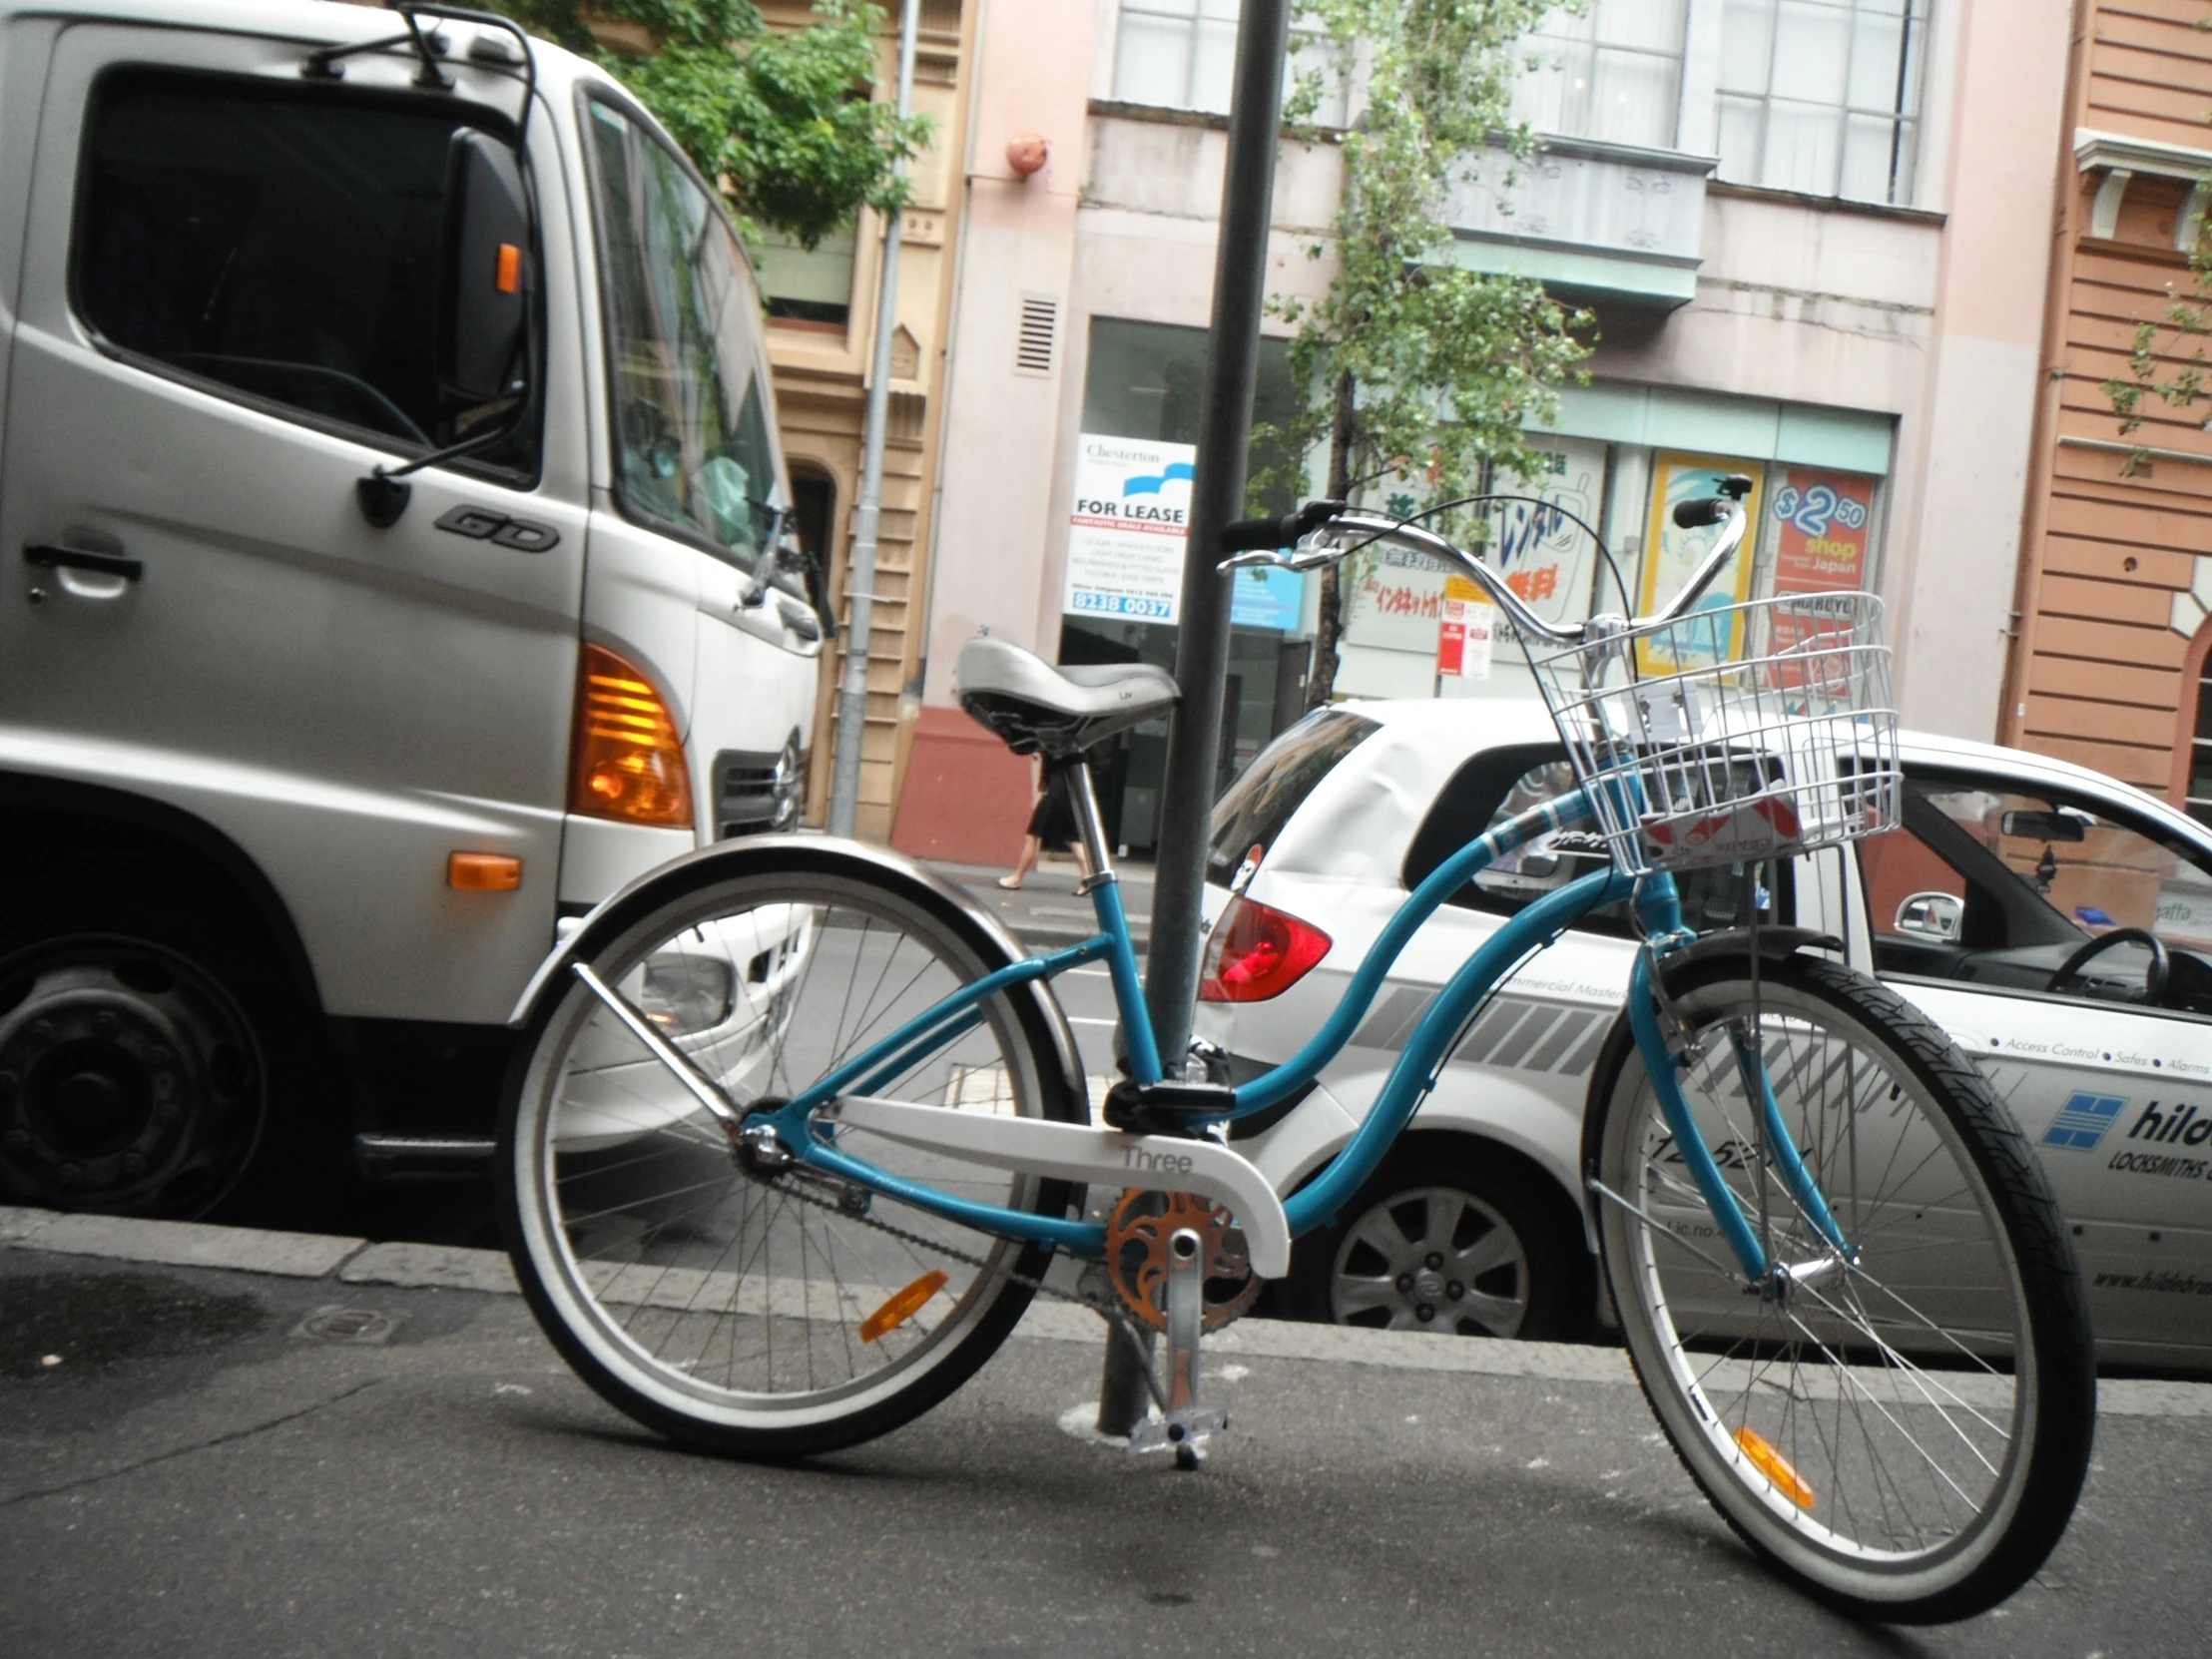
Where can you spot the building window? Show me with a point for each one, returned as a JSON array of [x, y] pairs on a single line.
[[808, 285], [1613, 72], [1823, 96], [1179, 54], [2193, 755]]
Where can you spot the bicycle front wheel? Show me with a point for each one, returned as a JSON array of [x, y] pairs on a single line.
[[749, 1313], [1902, 1427]]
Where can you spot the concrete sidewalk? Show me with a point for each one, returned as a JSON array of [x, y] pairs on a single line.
[[261, 1445]]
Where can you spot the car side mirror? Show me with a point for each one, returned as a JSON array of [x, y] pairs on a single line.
[[484, 302], [1932, 915]]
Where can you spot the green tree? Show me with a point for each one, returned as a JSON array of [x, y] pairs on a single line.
[[780, 118], [2165, 363], [1422, 368]]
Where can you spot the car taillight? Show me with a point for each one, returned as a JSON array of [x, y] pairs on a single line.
[[1257, 953], [629, 759]]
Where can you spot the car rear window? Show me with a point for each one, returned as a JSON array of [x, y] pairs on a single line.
[[1276, 785], [1500, 784]]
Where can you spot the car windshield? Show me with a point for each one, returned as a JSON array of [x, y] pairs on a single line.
[[1276, 785], [691, 442]]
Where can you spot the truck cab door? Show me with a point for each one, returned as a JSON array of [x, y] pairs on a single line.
[[235, 284]]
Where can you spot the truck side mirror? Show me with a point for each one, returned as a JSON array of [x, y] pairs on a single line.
[[483, 306]]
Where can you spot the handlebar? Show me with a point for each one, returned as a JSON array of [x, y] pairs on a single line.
[[1269, 535], [1337, 530]]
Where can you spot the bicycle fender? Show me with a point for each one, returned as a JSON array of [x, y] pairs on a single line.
[[1101, 1157], [745, 854]]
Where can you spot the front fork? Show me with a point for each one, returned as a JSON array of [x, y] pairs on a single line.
[[1659, 913]]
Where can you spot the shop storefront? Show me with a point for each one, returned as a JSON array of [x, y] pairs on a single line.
[[1126, 535], [1622, 457]]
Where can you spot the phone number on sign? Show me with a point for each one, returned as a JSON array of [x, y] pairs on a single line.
[[1122, 604]]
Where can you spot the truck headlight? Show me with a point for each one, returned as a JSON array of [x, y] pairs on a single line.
[[686, 993]]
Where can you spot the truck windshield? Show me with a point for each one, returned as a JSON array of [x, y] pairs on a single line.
[[692, 444]]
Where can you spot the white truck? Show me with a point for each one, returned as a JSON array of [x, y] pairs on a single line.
[[397, 562]]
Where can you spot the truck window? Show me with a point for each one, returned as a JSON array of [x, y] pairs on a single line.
[[283, 244], [692, 445]]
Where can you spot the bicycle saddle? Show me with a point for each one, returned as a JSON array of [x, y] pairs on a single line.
[[1056, 712]]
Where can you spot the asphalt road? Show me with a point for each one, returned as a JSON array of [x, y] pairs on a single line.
[[196, 1475]]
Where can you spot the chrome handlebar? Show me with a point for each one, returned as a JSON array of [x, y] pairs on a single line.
[[1347, 531]]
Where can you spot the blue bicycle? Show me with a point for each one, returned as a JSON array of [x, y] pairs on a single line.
[[798, 1131]]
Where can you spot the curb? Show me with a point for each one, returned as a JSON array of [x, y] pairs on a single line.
[[184, 1244]]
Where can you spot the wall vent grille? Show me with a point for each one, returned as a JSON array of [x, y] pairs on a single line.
[[1040, 314]]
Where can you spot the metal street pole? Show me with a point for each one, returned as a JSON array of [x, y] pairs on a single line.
[[1217, 497], [1202, 643], [845, 778]]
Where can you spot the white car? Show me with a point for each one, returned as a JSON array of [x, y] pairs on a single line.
[[2057, 924]]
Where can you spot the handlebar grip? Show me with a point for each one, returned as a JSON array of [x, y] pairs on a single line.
[[1690, 515], [1257, 535], [1264, 535]]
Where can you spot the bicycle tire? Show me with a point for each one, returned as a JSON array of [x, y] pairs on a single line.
[[1920, 1420], [648, 1254]]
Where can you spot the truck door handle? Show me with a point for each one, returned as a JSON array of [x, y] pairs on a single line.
[[54, 557]]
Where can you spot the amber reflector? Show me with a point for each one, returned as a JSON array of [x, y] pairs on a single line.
[[903, 1306], [483, 873], [1774, 1466], [510, 268], [629, 759]]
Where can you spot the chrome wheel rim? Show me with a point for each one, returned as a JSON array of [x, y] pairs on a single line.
[[1433, 1258]]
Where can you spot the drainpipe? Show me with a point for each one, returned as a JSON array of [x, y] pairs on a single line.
[[845, 780]]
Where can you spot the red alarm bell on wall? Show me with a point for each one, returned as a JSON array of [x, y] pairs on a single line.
[[1025, 153]]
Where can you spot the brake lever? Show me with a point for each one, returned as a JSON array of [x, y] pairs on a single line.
[[1303, 559]]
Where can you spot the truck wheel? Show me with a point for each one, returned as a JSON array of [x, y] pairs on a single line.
[[153, 1066]]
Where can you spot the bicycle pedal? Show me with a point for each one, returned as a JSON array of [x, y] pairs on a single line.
[[1167, 1108], [1184, 1431]]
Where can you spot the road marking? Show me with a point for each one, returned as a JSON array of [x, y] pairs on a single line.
[[1079, 1019], [1092, 972]]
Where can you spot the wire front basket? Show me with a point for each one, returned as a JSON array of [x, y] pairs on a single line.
[[1736, 734]]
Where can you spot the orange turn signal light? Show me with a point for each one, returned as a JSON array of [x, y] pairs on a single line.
[[1774, 1466], [902, 1306], [509, 275], [483, 873], [629, 760]]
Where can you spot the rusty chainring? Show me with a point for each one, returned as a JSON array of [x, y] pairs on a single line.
[[1137, 1256]]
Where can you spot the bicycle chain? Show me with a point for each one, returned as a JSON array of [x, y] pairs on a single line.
[[1037, 1286]]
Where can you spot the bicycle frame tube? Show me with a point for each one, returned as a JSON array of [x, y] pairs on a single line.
[[1316, 1203]]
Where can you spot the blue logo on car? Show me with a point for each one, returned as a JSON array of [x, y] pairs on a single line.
[[2082, 1121]]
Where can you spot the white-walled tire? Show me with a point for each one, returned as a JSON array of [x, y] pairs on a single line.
[[1906, 1434], [714, 1310]]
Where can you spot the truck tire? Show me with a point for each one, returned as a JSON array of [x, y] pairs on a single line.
[[156, 1061]]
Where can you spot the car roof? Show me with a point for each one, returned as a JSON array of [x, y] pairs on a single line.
[[1357, 821]]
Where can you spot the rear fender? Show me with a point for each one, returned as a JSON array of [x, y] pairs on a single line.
[[1034, 1004]]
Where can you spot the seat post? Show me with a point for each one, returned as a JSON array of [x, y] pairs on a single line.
[[1083, 801]]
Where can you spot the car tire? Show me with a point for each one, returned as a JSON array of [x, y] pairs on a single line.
[[156, 1061], [1437, 1203]]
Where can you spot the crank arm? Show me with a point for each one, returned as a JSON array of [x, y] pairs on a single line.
[[1097, 1157]]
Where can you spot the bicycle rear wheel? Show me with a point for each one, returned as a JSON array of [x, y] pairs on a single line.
[[753, 1315], [1906, 1431]]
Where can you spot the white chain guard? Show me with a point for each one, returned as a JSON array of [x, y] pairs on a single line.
[[1098, 1157]]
